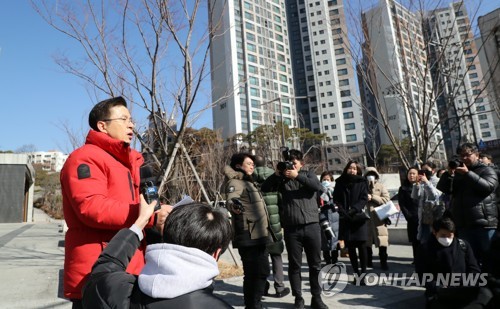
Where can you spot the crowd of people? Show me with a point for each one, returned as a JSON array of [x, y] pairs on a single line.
[[110, 262]]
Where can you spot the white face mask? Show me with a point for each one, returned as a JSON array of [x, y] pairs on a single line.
[[326, 184], [370, 178], [445, 241]]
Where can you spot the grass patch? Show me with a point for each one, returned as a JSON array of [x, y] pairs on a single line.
[[228, 270]]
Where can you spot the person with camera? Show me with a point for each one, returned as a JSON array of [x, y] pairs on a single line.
[[473, 206], [194, 237], [299, 217], [351, 196], [328, 220], [275, 249], [100, 190], [432, 168], [250, 222], [428, 200], [378, 234]]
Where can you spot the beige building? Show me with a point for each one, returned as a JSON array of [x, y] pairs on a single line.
[[489, 26], [396, 76], [465, 100]]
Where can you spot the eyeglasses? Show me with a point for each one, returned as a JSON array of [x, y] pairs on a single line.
[[123, 119], [466, 154]]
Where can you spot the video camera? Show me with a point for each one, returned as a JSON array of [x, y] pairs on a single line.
[[287, 164]]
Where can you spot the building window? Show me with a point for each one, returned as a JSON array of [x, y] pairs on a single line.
[[348, 115], [254, 91], [343, 82], [350, 138], [346, 104], [484, 125], [345, 93], [352, 149], [350, 126], [486, 134], [342, 72], [341, 61]]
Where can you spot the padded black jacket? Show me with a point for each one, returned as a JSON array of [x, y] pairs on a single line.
[[473, 202]]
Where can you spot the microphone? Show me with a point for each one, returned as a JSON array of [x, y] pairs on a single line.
[[148, 187]]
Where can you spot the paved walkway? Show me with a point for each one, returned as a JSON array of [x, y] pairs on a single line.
[[32, 257]]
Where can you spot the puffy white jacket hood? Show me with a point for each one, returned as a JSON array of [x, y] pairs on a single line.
[[173, 270]]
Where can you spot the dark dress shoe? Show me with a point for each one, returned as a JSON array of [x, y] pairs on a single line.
[[299, 303], [283, 293]]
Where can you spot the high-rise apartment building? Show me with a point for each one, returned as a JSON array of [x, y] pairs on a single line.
[[323, 74], [251, 70], [464, 100], [489, 40], [395, 80]]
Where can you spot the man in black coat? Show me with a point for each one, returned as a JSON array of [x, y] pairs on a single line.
[[300, 221], [473, 206], [195, 235]]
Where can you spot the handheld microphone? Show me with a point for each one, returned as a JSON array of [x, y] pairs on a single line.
[[148, 187]]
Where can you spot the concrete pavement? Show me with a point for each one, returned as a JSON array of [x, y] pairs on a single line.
[[32, 257]]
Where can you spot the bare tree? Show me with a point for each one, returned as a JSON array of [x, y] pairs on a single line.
[[152, 52], [422, 78]]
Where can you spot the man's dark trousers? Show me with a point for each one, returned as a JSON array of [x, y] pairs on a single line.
[[307, 237], [256, 269]]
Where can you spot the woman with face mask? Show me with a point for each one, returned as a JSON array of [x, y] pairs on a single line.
[[445, 255], [378, 233], [328, 220]]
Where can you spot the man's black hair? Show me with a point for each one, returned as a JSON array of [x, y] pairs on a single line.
[[444, 223], [199, 226], [430, 164], [259, 161], [101, 110], [295, 154], [467, 146], [238, 158]]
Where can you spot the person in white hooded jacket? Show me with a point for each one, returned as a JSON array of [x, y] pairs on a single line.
[[178, 273]]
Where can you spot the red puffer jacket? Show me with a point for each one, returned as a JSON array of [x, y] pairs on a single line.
[[100, 188]]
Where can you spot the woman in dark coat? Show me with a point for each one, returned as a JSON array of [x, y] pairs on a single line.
[[351, 195], [409, 207]]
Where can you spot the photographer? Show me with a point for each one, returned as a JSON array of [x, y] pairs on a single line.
[[250, 224], [473, 201], [428, 197], [299, 218]]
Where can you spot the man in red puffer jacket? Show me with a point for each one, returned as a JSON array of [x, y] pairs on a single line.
[[100, 189]]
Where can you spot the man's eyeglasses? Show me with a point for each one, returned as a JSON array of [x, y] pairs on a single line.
[[466, 154], [123, 119]]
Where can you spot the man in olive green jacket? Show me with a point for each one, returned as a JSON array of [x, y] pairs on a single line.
[[276, 248]]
